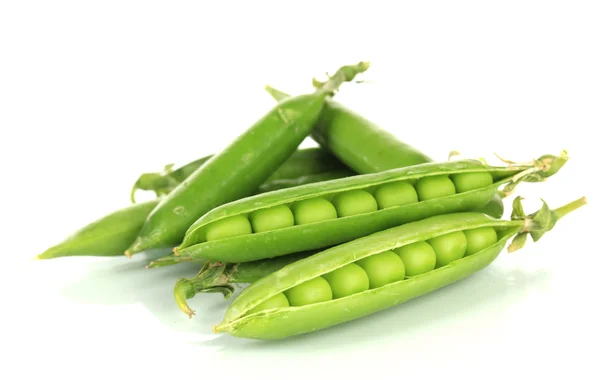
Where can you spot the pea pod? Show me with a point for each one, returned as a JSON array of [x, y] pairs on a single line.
[[358, 142], [216, 277], [304, 313], [108, 236], [305, 218], [303, 166], [239, 169], [365, 147], [113, 233]]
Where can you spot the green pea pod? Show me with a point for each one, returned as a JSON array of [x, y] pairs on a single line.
[[239, 169], [365, 147], [302, 163], [242, 244], [107, 236], [113, 233], [358, 142], [242, 320], [216, 277]]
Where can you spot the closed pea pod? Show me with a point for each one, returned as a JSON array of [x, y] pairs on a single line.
[[239, 169], [316, 216], [111, 234], [303, 166], [286, 321]]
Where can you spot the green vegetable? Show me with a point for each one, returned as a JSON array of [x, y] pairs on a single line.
[[311, 291], [108, 236], [367, 148], [300, 168], [347, 280], [316, 225], [354, 202], [435, 187], [383, 268], [450, 247], [359, 143], [113, 233], [418, 258], [477, 238], [272, 218], [239, 169], [284, 322], [313, 210], [216, 277]]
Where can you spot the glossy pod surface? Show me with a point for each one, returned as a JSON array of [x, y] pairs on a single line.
[[329, 229], [239, 169], [284, 322], [108, 236], [111, 234], [303, 166], [367, 148], [247, 318]]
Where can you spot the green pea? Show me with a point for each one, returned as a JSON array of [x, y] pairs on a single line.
[[449, 247], [471, 181], [313, 210], [236, 225], [354, 202], [480, 238], [435, 187], [347, 280], [418, 258], [278, 300], [309, 292], [271, 218], [395, 194], [382, 268]]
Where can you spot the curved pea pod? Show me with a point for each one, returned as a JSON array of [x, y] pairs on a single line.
[[252, 245], [243, 319], [107, 236], [239, 169], [304, 166], [217, 277]]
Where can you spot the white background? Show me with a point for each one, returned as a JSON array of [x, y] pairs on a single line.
[[94, 93]]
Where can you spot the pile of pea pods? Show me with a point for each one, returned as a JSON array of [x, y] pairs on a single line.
[[322, 235]]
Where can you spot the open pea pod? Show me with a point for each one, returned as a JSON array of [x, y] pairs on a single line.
[[378, 271], [332, 212]]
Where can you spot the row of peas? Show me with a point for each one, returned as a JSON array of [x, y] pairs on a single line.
[[347, 203], [385, 268]]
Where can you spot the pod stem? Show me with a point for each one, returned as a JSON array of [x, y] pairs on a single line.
[[540, 222], [213, 278], [540, 169], [343, 74]]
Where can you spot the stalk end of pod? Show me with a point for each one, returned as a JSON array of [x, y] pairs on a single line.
[[541, 221], [212, 278], [343, 74]]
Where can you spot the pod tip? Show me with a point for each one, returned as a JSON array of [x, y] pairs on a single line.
[[38, 257]]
